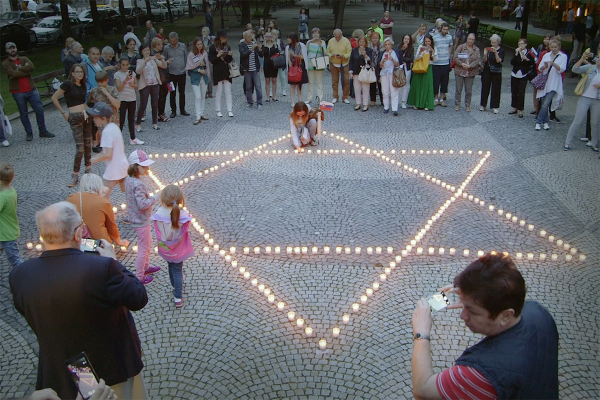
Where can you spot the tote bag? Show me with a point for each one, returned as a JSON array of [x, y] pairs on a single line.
[[278, 61], [399, 77], [320, 62], [366, 75], [234, 70], [422, 65], [581, 84], [295, 73]]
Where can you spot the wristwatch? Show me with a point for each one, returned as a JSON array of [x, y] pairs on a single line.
[[419, 336]]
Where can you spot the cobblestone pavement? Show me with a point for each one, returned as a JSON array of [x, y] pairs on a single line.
[[230, 341]]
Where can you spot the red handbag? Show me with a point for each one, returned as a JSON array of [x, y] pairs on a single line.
[[295, 73]]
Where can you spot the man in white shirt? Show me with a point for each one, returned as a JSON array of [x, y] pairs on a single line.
[[518, 12], [113, 148], [441, 67], [130, 34]]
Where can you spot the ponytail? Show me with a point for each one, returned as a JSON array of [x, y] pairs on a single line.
[[173, 196], [175, 215]]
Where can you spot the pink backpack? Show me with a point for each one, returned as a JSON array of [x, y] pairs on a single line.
[[176, 250]]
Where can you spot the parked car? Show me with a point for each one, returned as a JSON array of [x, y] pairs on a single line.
[[110, 20], [49, 30], [49, 10], [25, 18], [131, 14], [23, 37]]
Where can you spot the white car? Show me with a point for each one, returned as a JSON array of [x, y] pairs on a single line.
[[49, 30]]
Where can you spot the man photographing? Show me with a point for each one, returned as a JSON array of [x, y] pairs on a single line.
[[517, 358]]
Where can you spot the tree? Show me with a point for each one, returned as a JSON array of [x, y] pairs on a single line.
[[96, 18], [64, 12], [190, 9], [338, 9], [122, 13], [267, 10], [245, 5], [168, 3], [149, 10]]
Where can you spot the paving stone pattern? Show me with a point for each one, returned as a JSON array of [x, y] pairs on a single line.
[[230, 342]]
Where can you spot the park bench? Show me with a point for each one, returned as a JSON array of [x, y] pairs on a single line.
[[44, 82]]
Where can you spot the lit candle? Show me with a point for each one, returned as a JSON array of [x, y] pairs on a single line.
[[123, 206], [280, 305], [211, 241], [297, 250], [392, 264], [542, 233], [388, 270], [338, 250], [115, 209], [573, 250], [466, 252], [300, 322], [216, 247], [291, 315], [559, 242], [480, 253], [322, 344], [419, 250], [431, 250], [246, 250], [221, 253], [347, 250], [404, 253], [382, 277], [206, 250], [567, 246], [582, 257], [346, 318], [441, 250], [315, 249], [452, 251], [267, 292], [378, 250], [261, 288], [542, 256], [29, 245], [135, 248], [568, 257], [375, 286], [271, 298], [369, 292], [254, 282], [530, 256], [355, 307], [398, 259], [234, 263], [522, 222], [289, 250], [336, 332], [390, 250], [530, 227], [551, 238], [363, 299], [357, 250], [246, 275], [326, 249], [277, 250], [242, 270], [554, 257], [268, 249], [38, 247], [257, 250], [519, 255], [515, 219]]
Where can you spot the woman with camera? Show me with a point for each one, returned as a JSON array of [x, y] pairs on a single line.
[[491, 77], [197, 68]]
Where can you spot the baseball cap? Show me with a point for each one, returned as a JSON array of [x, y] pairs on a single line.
[[9, 45], [373, 20], [101, 110], [139, 157]]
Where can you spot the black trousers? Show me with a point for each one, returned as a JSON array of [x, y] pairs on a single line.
[[162, 97], [517, 89], [374, 87], [491, 81], [441, 76], [128, 107], [179, 83]]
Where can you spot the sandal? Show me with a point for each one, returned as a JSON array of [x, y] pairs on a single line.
[[163, 118]]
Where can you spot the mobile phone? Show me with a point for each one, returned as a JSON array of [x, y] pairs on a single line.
[[89, 245], [438, 301], [488, 48], [83, 375]]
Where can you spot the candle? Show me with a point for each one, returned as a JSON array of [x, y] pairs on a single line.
[[519, 255], [216, 247], [466, 252], [363, 299], [336, 332], [551, 238], [554, 257], [135, 248], [530, 256], [357, 250], [582, 257], [300, 322], [277, 250], [326, 249], [480, 253], [398, 259], [221, 253], [419, 250], [254, 282], [234, 263], [115, 209], [404, 253], [268, 249], [257, 250], [267, 292], [38, 247], [315, 250], [378, 250], [242, 270], [388, 270], [291, 315], [261, 288], [289, 250], [508, 215], [559, 242], [452, 251], [355, 307], [246, 250], [297, 250], [211, 241], [246, 275], [573, 250], [347, 250], [441, 250], [375, 285], [123, 206], [271, 298], [280, 305], [369, 292], [567, 246], [522, 222], [392, 264], [568, 257], [542, 256], [431, 250], [322, 344], [346, 318], [206, 250], [382, 277], [542, 233], [390, 250], [29, 245], [515, 219], [530, 227], [338, 250]]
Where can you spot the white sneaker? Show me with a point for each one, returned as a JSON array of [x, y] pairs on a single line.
[[588, 144], [346, 101], [404, 105], [584, 139], [5, 143], [219, 114], [334, 101], [546, 126], [495, 111], [136, 141], [230, 113], [538, 127]]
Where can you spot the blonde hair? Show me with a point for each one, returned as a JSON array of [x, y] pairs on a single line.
[[358, 33], [91, 183], [172, 196]]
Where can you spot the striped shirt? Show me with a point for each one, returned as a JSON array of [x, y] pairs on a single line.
[[462, 382], [251, 59]]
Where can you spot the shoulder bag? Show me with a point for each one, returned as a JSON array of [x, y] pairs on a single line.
[[367, 75], [278, 60], [234, 69], [399, 77], [539, 82], [581, 84], [295, 73], [320, 62], [85, 231], [421, 65]]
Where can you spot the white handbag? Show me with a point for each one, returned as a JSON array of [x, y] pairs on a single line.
[[320, 62], [6, 126], [367, 75]]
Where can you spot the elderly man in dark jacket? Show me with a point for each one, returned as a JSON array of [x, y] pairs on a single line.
[[250, 51], [76, 301]]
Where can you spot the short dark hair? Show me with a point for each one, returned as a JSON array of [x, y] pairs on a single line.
[[444, 25], [129, 28], [494, 283], [294, 37], [7, 173]]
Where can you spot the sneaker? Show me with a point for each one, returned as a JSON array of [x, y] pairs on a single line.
[[143, 118], [29, 137], [589, 144], [584, 139], [151, 270], [47, 134], [481, 108], [219, 114], [538, 127], [595, 148], [404, 106], [248, 105], [333, 101], [178, 303], [495, 111], [196, 122], [456, 108], [136, 141], [230, 113], [147, 279], [386, 111], [468, 109], [203, 118], [5, 143], [346, 101], [443, 103], [546, 126], [184, 113], [74, 180], [555, 119], [566, 147]]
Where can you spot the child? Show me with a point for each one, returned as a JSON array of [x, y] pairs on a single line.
[[139, 209], [105, 94], [9, 223], [113, 148], [126, 83], [171, 224]]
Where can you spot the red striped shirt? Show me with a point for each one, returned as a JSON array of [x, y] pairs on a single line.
[[461, 382]]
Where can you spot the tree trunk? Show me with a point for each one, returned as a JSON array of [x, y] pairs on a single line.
[[168, 4], [122, 12], [245, 6], [562, 6], [222, 16], [96, 18], [190, 9], [267, 9], [149, 10], [64, 12], [525, 19], [339, 18]]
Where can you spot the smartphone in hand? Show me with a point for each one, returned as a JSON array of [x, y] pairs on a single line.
[[83, 375], [438, 301]]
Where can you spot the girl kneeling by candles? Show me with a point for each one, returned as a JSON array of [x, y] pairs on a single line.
[[303, 125]]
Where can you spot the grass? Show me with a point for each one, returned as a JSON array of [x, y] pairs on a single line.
[[47, 59]]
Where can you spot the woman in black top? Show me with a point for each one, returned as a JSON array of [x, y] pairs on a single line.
[[219, 55], [408, 54], [270, 50], [522, 63], [491, 77], [361, 57], [75, 91]]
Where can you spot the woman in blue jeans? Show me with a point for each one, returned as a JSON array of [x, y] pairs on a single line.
[[554, 63]]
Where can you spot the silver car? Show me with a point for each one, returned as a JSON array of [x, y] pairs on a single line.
[[49, 30]]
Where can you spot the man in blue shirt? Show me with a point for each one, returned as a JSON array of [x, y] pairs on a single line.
[[441, 68]]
